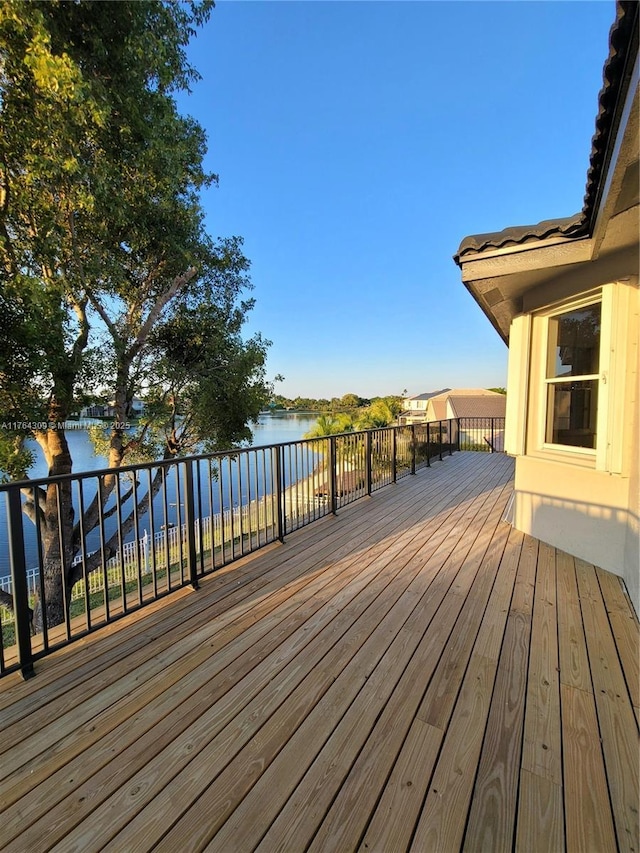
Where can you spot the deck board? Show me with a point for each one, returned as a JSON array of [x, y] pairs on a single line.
[[412, 674], [492, 815]]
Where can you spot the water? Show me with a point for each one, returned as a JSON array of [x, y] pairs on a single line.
[[270, 429]]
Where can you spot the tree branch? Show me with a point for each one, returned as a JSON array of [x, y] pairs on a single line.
[[176, 285], [80, 343], [29, 506], [97, 305], [95, 561]]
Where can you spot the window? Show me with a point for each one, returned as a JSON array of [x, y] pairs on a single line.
[[572, 377]]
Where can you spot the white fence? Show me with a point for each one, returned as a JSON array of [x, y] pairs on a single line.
[[172, 543], [137, 556]]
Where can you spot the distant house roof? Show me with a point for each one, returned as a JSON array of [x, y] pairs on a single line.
[[467, 392], [623, 39], [429, 394], [469, 402], [439, 409], [482, 406]]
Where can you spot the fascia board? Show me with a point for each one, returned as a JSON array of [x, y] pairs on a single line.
[[514, 259], [626, 136]]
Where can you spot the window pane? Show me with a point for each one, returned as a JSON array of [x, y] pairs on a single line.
[[575, 342], [572, 408]]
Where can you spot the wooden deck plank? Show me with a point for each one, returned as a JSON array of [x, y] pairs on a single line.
[[392, 822], [541, 766], [624, 627], [442, 822], [615, 717], [492, 816], [540, 816], [290, 703], [542, 753], [588, 821], [572, 649]]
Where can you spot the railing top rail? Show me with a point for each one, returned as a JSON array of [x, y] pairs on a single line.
[[221, 454]]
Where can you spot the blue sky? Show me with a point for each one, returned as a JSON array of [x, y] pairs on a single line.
[[358, 142]]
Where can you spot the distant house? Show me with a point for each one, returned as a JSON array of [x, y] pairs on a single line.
[[95, 411], [564, 295], [414, 408], [137, 408], [465, 403], [478, 407]]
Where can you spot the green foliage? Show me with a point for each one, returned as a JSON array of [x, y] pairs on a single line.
[[336, 404], [211, 383], [110, 285], [102, 243], [376, 416], [330, 425], [352, 401], [498, 390]]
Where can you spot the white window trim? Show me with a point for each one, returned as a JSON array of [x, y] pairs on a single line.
[[616, 391], [515, 434], [594, 458]]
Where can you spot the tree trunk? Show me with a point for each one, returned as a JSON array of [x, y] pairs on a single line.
[[57, 533]]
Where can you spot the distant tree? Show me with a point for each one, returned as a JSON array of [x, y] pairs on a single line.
[[330, 425], [393, 402], [376, 416], [498, 390], [350, 401]]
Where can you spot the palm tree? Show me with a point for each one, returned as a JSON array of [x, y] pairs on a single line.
[[330, 425], [378, 415]]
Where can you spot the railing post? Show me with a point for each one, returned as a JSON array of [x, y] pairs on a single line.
[[277, 473], [458, 435], [394, 450], [190, 520], [450, 437], [333, 485], [440, 440], [413, 448], [18, 566], [492, 434], [368, 445], [428, 445]]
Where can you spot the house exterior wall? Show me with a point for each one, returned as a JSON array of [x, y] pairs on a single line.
[[632, 543], [584, 502], [413, 405]]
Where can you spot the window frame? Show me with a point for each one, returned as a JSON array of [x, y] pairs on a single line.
[[586, 456], [550, 381]]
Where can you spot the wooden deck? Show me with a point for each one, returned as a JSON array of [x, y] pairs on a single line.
[[412, 674]]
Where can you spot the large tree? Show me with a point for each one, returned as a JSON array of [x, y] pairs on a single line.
[[109, 278]]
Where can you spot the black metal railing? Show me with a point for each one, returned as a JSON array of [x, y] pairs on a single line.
[[86, 549]]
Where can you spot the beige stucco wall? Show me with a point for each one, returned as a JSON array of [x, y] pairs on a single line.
[[632, 545], [587, 513]]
